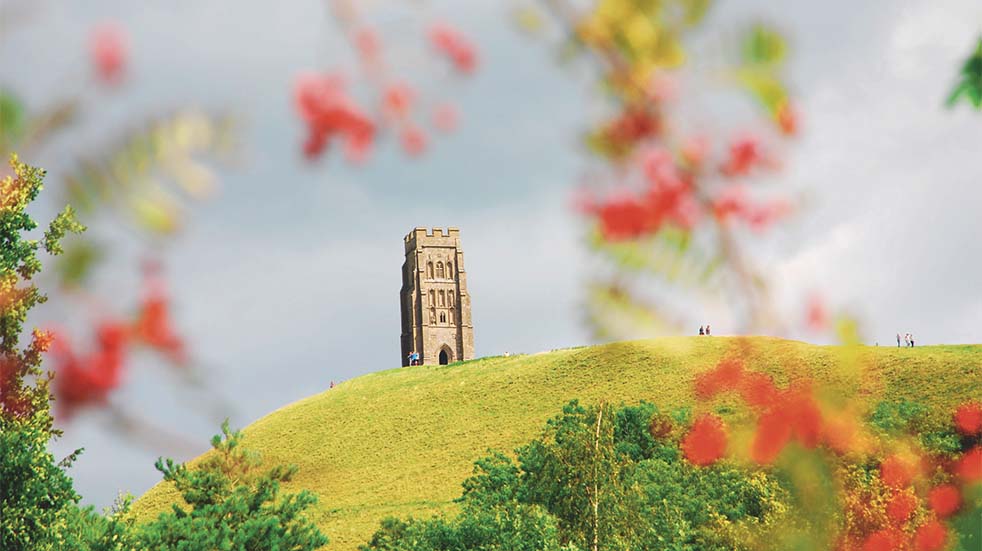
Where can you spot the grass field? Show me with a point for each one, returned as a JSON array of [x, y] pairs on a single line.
[[399, 442]]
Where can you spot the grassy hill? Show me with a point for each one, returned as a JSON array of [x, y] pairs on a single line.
[[399, 442]]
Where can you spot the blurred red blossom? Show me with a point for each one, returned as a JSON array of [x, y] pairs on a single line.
[[745, 153], [108, 50], [154, 327], [727, 375], [733, 202], [398, 99], [445, 117], [895, 472], [787, 119], [945, 500], [367, 43], [888, 539], [901, 506], [931, 536], [695, 150], [322, 102], [969, 466], [82, 381], [413, 140], [784, 414], [816, 314], [968, 418], [706, 441], [452, 43]]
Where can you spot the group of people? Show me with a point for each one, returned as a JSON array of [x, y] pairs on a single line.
[[908, 340], [704, 330], [413, 358]]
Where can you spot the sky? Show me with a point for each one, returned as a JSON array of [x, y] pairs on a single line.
[[289, 279]]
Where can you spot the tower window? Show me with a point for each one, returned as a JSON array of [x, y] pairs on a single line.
[[432, 298], [443, 317], [439, 270], [450, 299], [450, 270], [452, 317], [443, 300], [429, 270]]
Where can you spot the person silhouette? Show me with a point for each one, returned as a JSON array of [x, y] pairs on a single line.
[[701, 330], [707, 330], [898, 340]]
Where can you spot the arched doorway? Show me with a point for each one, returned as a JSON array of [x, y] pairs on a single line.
[[445, 356]]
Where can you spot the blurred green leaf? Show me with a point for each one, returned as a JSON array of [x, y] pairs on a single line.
[[970, 85], [764, 46], [695, 10], [75, 265], [11, 121], [669, 255], [140, 174]]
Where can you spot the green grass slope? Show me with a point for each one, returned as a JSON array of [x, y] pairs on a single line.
[[400, 442]]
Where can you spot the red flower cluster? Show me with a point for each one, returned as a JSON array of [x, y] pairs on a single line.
[[931, 537], [629, 128], [783, 414], [453, 44], [888, 539], [895, 472], [107, 47], [945, 500], [901, 506], [323, 104], [89, 379], [968, 418], [744, 155], [969, 467], [706, 441], [734, 203], [155, 329], [668, 199], [397, 100], [86, 379]]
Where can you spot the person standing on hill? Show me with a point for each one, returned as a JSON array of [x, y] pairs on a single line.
[[912, 341], [898, 340], [701, 330], [707, 329]]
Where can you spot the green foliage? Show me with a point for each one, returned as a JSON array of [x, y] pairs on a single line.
[[36, 496], [598, 478], [11, 119], [233, 504], [896, 417], [764, 46], [969, 86]]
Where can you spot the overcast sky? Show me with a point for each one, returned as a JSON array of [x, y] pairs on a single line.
[[290, 278]]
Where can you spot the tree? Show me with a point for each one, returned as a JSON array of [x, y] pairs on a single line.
[[36, 495], [599, 478], [233, 504]]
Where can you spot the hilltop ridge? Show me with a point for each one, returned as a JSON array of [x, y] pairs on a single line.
[[399, 442]]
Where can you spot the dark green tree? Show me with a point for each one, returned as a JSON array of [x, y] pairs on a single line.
[[232, 504], [36, 496]]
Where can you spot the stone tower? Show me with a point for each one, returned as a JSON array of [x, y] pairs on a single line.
[[436, 308]]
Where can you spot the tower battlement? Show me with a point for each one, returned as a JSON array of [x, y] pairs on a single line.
[[435, 304], [429, 236]]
